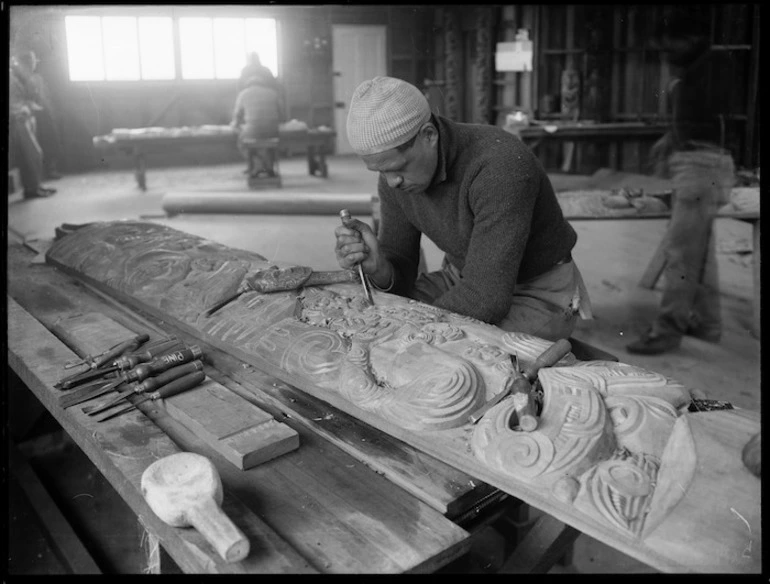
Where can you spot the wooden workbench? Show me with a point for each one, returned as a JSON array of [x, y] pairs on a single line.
[[317, 509], [658, 550], [316, 143]]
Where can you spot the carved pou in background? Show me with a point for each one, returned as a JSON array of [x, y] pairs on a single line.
[[613, 449]]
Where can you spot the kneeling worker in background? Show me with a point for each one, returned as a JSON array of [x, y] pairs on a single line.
[[481, 196], [257, 114]]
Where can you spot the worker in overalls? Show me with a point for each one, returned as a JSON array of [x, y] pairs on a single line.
[[481, 196], [692, 154]]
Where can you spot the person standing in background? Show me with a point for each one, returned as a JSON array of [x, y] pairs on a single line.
[[47, 130], [692, 154], [25, 152]]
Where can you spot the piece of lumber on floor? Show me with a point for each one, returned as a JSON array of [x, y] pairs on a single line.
[[281, 203], [237, 429]]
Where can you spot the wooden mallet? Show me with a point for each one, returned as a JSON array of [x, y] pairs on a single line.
[[185, 490]]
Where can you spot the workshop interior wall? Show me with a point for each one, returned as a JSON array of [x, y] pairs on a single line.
[[448, 51]]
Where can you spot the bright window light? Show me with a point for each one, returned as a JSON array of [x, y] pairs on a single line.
[[229, 47], [84, 48], [197, 47], [121, 48], [261, 38], [156, 48]]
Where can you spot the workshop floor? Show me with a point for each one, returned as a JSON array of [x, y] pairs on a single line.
[[612, 256]]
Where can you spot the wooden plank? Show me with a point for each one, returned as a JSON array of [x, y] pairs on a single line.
[[250, 443], [243, 433], [68, 546], [50, 294], [124, 447]]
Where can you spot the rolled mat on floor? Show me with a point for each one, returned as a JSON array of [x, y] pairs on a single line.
[[175, 203]]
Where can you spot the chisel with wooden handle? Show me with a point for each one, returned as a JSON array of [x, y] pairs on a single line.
[[123, 363], [160, 364], [523, 400], [547, 358], [177, 386], [128, 345], [345, 217], [514, 384], [277, 279], [149, 384], [127, 362]]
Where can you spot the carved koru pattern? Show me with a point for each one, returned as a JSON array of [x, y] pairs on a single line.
[[603, 430], [604, 438]]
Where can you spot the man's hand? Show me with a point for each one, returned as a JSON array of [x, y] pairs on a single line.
[[357, 243]]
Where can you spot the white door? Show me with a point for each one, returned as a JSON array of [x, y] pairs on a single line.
[[358, 54]]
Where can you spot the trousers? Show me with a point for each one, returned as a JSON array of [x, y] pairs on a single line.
[[702, 181], [546, 306], [27, 154]]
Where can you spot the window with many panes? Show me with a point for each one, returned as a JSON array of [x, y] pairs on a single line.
[[134, 48]]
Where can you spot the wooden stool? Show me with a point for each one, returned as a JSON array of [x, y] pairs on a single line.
[[270, 147]]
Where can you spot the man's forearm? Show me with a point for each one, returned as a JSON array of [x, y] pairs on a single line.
[[383, 277]]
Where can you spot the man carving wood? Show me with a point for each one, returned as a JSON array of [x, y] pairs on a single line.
[[481, 196]]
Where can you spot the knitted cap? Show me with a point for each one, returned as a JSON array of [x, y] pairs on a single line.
[[384, 113]]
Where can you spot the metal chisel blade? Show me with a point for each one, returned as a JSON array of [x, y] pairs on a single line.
[[92, 411], [85, 393]]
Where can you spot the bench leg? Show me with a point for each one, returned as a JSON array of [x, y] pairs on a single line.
[[140, 171], [546, 543]]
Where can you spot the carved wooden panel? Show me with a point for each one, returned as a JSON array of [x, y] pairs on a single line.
[[607, 455]]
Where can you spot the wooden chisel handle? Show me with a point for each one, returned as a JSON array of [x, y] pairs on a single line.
[[152, 383], [130, 361], [178, 385], [524, 403], [126, 346], [345, 217], [549, 357], [163, 363]]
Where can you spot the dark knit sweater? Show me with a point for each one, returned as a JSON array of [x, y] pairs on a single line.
[[490, 208]]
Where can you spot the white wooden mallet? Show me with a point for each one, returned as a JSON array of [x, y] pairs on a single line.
[[185, 490]]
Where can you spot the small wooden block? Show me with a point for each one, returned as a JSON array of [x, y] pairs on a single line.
[[236, 428], [91, 333]]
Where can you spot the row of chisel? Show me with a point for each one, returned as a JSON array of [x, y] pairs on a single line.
[[161, 368]]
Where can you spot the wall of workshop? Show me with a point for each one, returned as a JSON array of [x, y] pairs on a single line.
[[86, 110]]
